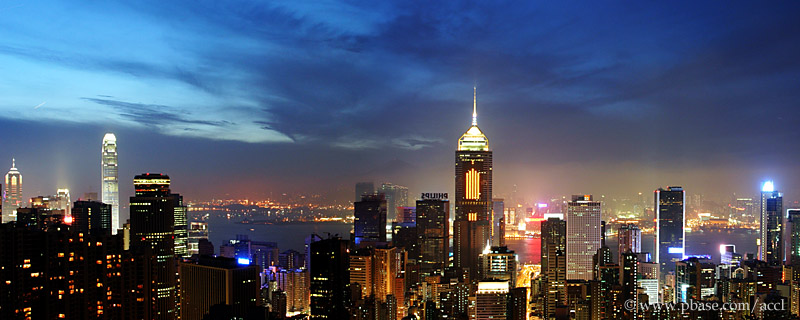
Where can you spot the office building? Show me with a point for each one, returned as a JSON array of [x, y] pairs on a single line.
[[330, 279], [473, 201], [491, 300], [12, 194], [181, 228], [771, 249], [583, 236], [91, 217], [517, 304], [499, 263], [433, 229], [396, 196], [110, 174], [370, 219], [629, 239], [152, 222], [209, 281], [670, 218], [197, 230], [59, 274], [293, 283], [694, 279], [793, 237], [364, 189]]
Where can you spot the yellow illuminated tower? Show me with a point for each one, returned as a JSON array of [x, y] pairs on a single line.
[[473, 200]]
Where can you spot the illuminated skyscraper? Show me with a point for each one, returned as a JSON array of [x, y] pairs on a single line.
[[152, 235], [670, 213], [12, 195], [771, 249], [433, 232], [583, 236], [473, 212], [110, 174]]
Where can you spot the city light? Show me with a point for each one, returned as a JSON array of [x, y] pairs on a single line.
[[243, 261], [768, 186]]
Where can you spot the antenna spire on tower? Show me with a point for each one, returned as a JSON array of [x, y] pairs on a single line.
[[475, 106], [13, 163]]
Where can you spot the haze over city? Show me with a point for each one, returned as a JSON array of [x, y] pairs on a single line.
[[249, 99]]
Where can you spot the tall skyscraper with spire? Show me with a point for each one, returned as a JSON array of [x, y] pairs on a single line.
[[12, 194], [473, 201], [110, 174]]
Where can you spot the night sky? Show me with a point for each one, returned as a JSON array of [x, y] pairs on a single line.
[[240, 98]]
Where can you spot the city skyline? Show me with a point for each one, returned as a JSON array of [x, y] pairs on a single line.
[[406, 71], [285, 160]]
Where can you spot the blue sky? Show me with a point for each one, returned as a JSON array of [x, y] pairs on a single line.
[[254, 97]]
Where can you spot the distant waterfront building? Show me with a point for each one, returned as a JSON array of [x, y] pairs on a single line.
[[197, 230], [670, 217], [110, 174], [771, 249], [364, 189], [330, 278], [629, 238], [473, 200], [498, 223], [433, 230], [583, 236], [12, 194], [370, 219], [213, 281], [91, 217], [396, 196]]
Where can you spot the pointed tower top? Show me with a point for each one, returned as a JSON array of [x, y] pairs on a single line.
[[474, 106], [13, 163]]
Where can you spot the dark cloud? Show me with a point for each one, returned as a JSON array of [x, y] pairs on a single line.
[[153, 114], [633, 96]]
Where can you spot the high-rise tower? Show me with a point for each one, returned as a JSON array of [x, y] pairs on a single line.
[[771, 249], [670, 207], [110, 174], [12, 195], [583, 236], [153, 236], [473, 212]]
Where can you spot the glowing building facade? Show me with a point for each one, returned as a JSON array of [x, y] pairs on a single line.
[[12, 194], [110, 174], [583, 236], [473, 201]]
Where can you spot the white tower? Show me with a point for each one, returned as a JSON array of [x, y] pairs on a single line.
[[110, 175], [12, 195]]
